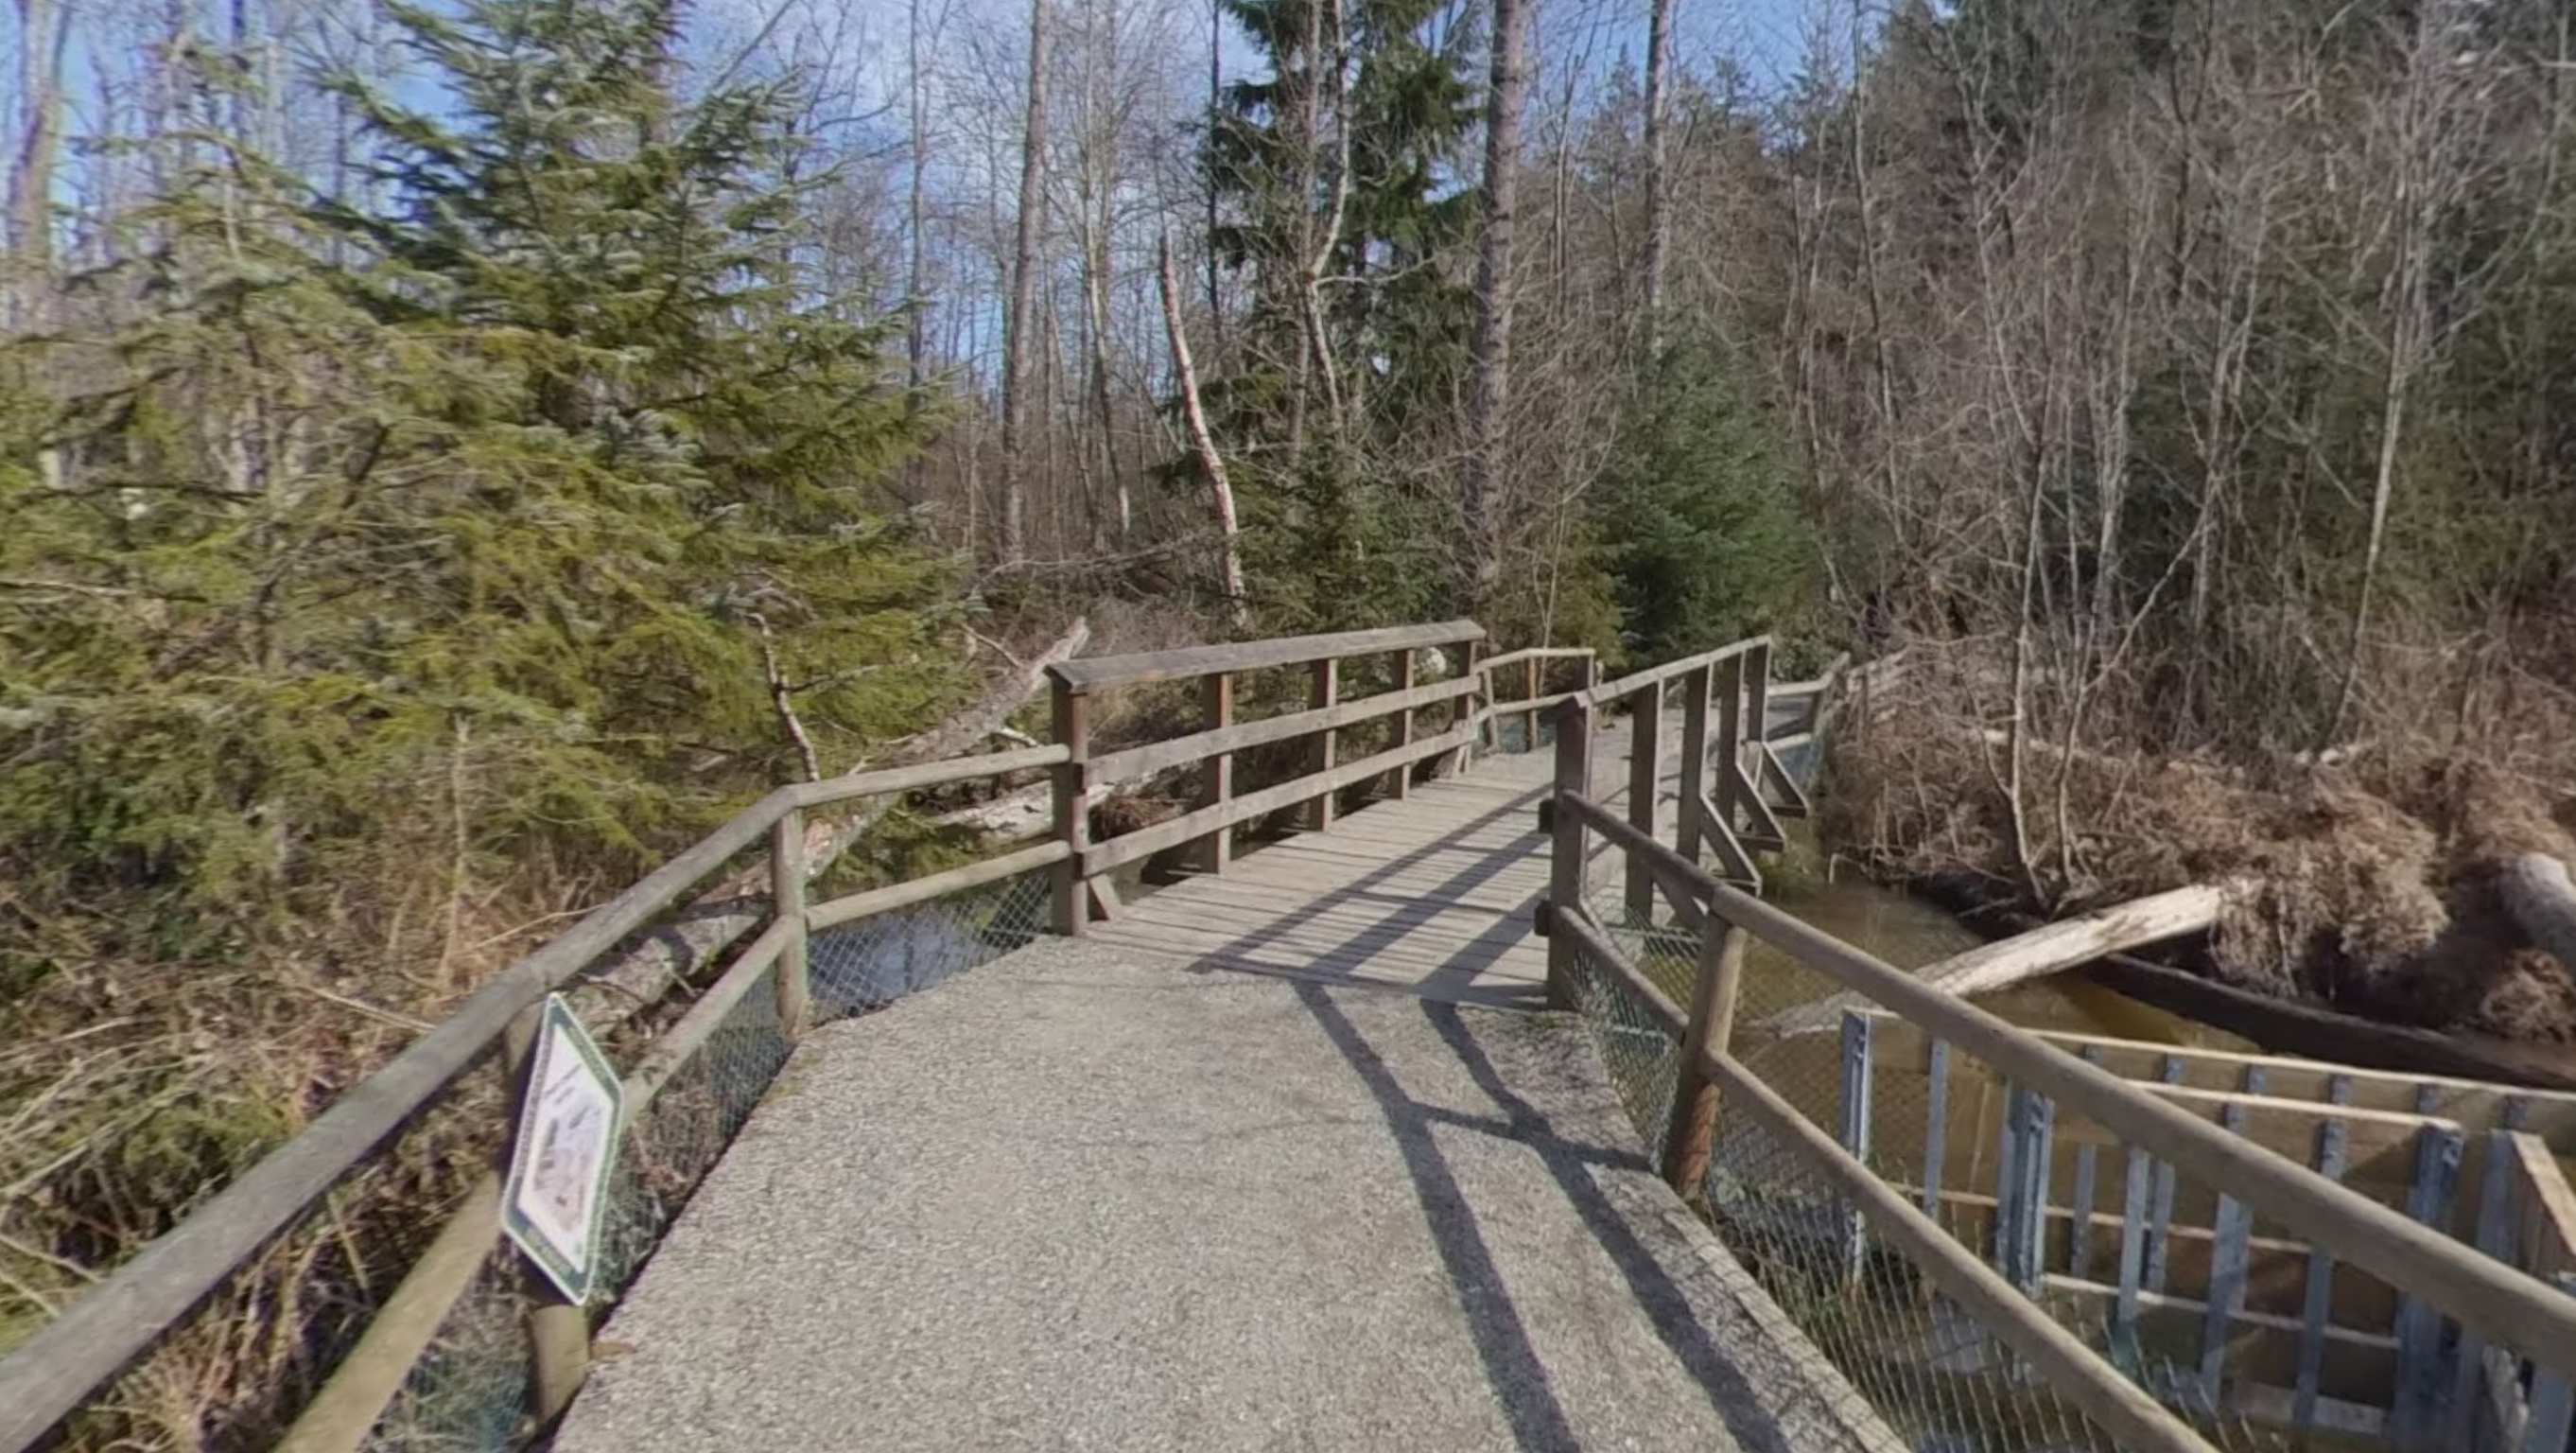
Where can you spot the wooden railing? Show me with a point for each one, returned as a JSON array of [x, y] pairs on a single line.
[[1516, 686], [54, 1372], [2487, 1289], [1082, 882], [63, 1365]]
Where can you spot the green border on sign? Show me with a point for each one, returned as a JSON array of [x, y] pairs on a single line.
[[575, 1279]]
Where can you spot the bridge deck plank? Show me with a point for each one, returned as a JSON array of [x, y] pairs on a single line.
[[1431, 894]]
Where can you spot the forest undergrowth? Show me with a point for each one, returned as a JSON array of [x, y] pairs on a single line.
[[2372, 874]]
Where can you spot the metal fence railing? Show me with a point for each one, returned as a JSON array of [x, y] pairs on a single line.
[[2006, 1248]]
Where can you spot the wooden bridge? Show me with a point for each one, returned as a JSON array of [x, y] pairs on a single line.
[[1264, 1146]]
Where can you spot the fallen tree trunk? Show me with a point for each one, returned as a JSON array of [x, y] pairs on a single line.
[[2542, 903], [693, 940], [950, 739], [2048, 948], [2278, 1026]]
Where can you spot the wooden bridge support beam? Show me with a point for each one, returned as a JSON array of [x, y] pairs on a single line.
[[1567, 853], [1216, 778], [1072, 908], [1729, 746], [1323, 689], [1473, 710], [1691, 1136], [1645, 761], [1694, 781], [1399, 783], [787, 906], [1530, 681]]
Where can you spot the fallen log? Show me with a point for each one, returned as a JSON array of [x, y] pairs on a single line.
[[2278, 1026], [681, 947], [2542, 903], [950, 739], [2047, 948]]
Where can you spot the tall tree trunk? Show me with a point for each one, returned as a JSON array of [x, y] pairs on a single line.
[[1215, 109], [1095, 297], [1230, 564], [1490, 349], [1012, 542], [1659, 59], [44, 36], [916, 254]]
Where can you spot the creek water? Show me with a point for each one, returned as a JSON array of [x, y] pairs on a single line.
[[1910, 933]]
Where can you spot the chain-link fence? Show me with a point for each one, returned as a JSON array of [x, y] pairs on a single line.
[[2256, 1336], [469, 1394]]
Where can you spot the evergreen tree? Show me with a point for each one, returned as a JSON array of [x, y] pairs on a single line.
[[508, 508], [1697, 522], [1331, 168]]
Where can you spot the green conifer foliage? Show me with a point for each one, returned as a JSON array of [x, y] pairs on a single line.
[[487, 502], [1345, 510], [1698, 520]]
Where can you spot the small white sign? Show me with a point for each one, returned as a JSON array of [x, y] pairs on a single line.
[[570, 1110]]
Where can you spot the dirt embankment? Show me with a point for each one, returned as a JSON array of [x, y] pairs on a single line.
[[2378, 873]]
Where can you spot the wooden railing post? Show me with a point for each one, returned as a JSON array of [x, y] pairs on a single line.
[[1072, 808], [1687, 1141], [1567, 853], [1216, 778], [558, 1331], [1728, 750], [1400, 781], [1645, 803], [1325, 688], [1757, 710], [787, 905], [1695, 691], [1529, 693], [1470, 663]]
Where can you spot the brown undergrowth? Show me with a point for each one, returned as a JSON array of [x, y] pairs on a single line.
[[2373, 871], [139, 1076]]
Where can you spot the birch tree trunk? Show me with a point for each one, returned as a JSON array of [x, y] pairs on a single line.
[[1230, 563], [916, 339]]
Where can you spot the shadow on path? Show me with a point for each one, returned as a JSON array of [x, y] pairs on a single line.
[[1513, 1367]]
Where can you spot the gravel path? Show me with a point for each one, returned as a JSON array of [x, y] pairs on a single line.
[[1068, 1202]]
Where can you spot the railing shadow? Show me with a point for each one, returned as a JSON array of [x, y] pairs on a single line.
[[1513, 1366]]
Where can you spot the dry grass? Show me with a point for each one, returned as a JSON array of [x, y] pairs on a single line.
[[2376, 871], [136, 1081], [131, 1090]]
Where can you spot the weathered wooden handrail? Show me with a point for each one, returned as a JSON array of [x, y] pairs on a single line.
[[1083, 866], [1100, 673], [1530, 703], [2495, 1300], [1618, 690], [49, 1376], [1199, 746]]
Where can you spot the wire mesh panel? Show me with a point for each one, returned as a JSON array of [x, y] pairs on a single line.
[[2236, 1320], [1925, 1368], [1979, 1157], [875, 961], [468, 1394], [2247, 1330]]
